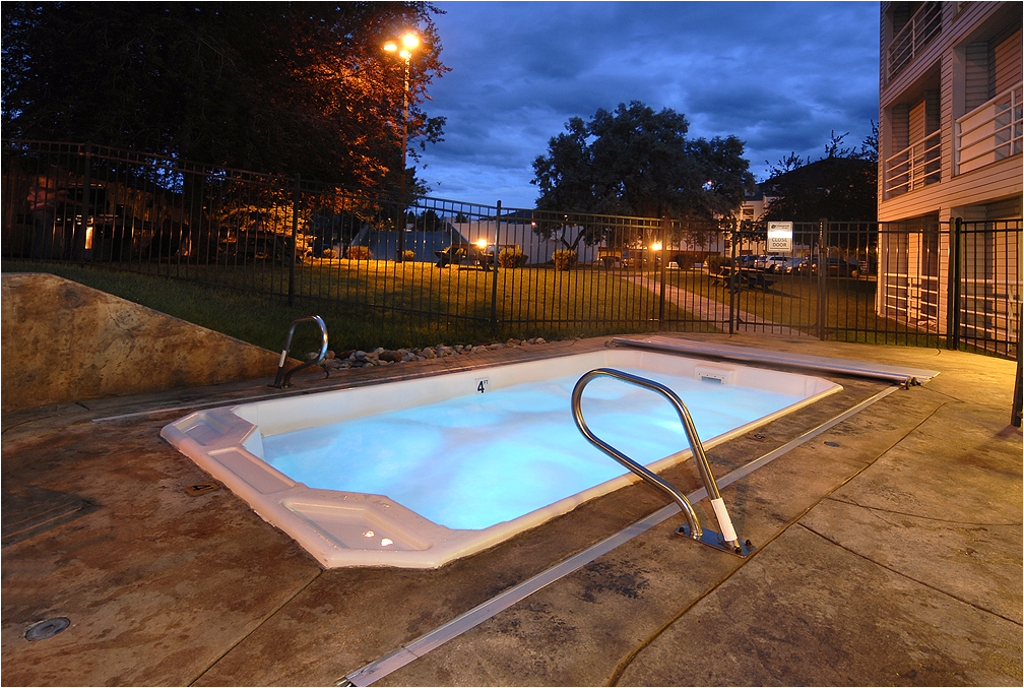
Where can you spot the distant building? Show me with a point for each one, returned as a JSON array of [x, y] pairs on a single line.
[[520, 232], [949, 145], [753, 206], [383, 244]]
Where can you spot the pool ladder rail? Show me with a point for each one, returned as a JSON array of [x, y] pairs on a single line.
[[283, 378], [726, 540]]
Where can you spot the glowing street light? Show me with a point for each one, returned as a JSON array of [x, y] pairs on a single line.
[[409, 42], [404, 49]]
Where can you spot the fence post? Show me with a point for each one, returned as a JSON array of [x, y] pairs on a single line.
[[80, 233], [296, 199], [1016, 411], [733, 284], [823, 236], [494, 271], [953, 288], [665, 232]]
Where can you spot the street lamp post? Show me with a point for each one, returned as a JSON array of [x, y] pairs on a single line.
[[404, 49]]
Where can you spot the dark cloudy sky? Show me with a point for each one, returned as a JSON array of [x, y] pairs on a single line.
[[780, 76]]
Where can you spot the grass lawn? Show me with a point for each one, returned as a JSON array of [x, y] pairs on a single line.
[[367, 304]]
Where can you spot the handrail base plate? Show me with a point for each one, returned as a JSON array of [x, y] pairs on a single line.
[[712, 539]]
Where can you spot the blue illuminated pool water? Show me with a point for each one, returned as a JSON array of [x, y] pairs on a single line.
[[473, 461]]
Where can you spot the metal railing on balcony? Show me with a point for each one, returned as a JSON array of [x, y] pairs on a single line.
[[991, 132], [925, 25], [917, 165]]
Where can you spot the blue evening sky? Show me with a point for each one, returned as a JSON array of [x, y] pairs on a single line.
[[781, 76]]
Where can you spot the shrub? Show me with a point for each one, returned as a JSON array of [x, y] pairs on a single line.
[[328, 253], [358, 253], [512, 258], [564, 259], [408, 256]]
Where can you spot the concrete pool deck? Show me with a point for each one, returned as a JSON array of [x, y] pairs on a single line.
[[889, 551]]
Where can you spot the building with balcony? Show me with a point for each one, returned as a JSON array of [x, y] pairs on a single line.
[[949, 153]]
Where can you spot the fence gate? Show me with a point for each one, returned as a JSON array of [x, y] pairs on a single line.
[[985, 287]]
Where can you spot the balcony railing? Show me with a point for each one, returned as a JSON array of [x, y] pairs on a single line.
[[915, 166], [990, 133], [925, 25]]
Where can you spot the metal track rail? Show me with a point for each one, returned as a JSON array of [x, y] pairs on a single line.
[[727, 539]]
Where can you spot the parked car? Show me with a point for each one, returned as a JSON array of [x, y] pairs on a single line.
[[834, 267], [772, 263], [868, 266], [840, 267], [254, 243], [246, 235], [111, 232], [634, 258], [788, 266]]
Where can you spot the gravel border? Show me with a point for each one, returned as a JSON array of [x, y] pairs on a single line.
[[354, 358]]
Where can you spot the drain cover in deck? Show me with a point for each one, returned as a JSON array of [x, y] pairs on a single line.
[[47, 629]]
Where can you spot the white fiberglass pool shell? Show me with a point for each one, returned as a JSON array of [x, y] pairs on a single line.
[[341, 528]]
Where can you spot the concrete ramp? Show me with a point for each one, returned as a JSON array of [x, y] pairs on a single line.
[[64, 342]]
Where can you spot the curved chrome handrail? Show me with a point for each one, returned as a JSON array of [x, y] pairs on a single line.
[[283, 378], [727, 540]]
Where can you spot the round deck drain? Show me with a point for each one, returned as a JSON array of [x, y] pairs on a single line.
[[47, 629]]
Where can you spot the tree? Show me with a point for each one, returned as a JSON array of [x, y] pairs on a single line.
[[635, 161], [566, 176], [726, 176], [786, 164], [841, 185], [276, 87]]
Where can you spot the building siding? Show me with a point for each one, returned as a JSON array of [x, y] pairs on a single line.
[[976, 75], [972, 68], [954, 29], [1007, 60], [976, 57], [983, 186]]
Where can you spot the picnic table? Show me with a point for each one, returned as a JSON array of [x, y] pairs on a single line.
[[457, 254], [744, 277]]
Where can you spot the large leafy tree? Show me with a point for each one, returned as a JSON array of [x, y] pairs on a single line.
[[635, 161], [273, 86]]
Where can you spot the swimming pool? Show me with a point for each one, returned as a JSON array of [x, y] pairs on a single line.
[[416, 473]]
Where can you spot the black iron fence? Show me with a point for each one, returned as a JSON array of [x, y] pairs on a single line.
[[465, 270]]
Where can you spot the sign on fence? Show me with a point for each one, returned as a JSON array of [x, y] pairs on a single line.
[[780, 237]]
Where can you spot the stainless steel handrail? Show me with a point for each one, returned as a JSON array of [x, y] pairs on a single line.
[[283, 378], [727, 539]]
